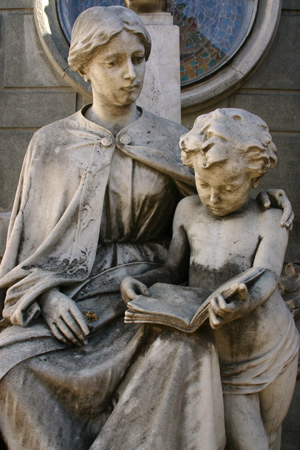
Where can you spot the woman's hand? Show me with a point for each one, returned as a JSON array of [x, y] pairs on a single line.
[[278, 199], [131, 288], [236, 306], [63, 318]]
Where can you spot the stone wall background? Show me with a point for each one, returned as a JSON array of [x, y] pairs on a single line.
[[32, 94]]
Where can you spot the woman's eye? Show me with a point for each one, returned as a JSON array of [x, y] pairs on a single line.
[[111, 63], [137, 59]]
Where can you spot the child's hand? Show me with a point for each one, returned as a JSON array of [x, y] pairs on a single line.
[[131, 288], [236, 306]]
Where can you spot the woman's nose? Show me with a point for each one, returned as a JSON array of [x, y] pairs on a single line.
[[129, 71]]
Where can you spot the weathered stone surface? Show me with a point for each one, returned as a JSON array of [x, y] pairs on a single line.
[[26, 64], [290, 441], [161, 18], [34, 109], [281, 110], [292, 253], [286, 173], [142, 6], [286, 176], [13, 145], [81, 101], [290, 428], [4, 222], [283, 61], [292, 424], [161, 91], [16, 4], [189, 119], [291, 4]]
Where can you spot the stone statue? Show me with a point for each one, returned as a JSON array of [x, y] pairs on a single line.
[[94, 205], [220, 234]]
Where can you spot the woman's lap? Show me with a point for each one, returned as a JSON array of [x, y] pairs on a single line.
[[125, 385], [56, 399]]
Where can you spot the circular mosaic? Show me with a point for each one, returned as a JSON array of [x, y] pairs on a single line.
[[211, 31]]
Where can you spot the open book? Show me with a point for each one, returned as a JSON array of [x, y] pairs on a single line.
[[181, 307]]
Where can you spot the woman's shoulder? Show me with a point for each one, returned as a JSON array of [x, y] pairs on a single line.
[[156, 132], [54, 134], [169, 127], [53, 126], [48, 135]]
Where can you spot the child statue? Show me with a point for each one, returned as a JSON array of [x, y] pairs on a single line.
[[218, 235]]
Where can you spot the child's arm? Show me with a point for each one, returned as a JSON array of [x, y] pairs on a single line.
[[270, 256], [175, 270]]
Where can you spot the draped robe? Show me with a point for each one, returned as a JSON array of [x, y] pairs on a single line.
[[91, 209]]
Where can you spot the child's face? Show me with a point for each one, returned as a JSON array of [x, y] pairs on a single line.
[[224, 187]]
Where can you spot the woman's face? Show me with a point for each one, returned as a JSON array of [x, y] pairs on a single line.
[[117, 70]]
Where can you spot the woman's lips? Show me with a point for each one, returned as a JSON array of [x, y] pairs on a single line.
[[130, 88]]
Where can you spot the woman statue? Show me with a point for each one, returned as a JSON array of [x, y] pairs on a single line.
[[95, 203]]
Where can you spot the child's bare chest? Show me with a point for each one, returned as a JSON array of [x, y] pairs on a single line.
[[221, 248]]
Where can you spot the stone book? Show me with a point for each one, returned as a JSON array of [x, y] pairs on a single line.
[[181, 307]]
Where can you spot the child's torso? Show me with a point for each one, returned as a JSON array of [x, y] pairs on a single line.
[[220, 249]]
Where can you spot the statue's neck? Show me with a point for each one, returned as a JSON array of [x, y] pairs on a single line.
[[113, 118]]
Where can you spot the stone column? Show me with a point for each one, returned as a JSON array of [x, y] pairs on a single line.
[[161, 91]]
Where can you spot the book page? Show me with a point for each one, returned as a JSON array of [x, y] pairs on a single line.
[[171, 300]]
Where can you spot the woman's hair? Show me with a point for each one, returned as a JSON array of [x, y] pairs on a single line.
[[245, 133], [96, 26]]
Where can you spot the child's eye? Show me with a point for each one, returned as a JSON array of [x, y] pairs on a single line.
[[207, 147], [203, 185], [230, 189]]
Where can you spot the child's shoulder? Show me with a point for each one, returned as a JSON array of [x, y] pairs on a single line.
[[264, 214], [268, 218], [189, 203], [187, 207]]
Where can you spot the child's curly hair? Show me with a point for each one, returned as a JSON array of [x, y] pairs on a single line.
[[244, 131]]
